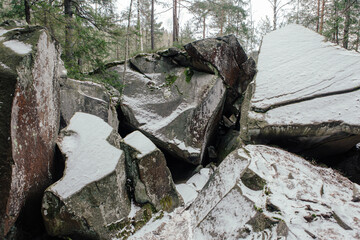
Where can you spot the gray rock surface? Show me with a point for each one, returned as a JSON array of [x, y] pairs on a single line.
[[305, 95], [262, 192], [178, 110], [88, 97], [92, 193], [30, 68], [150, 177]]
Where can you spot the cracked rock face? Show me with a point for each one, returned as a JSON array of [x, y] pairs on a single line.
[[88, 97], [178, 110], [305, 96], [262, 191], [92, 193], [227, 56], [146, 168], [30, 68]]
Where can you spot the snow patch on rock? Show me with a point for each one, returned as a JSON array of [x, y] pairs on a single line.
[[82, 164], [18, 47], [140, 143]]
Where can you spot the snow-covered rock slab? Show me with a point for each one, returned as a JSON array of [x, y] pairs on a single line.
[[261, 192], [92, 192], [30, 69], [178, 110], [306, 94], [150, 177], [88, 97]]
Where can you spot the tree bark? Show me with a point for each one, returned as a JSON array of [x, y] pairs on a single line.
[[139, 27], [27, 11], [204, 26], [322, 16], [152, 25], [318, 16], [127, 41], [175, 23], [346, 25], [68, 29], [275, 14]]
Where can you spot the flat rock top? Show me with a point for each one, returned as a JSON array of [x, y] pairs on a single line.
[[298, 69], [140, 143], [89, 156], [296, 63]]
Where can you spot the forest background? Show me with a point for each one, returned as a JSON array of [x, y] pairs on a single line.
[[95, 32]]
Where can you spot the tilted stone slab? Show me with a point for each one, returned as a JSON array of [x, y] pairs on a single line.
[[305, 96], [30, 68], [177, 110], [262, 191], [92, 193], [151, 178], [87, 97]]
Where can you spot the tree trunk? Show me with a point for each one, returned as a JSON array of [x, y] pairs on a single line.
[[152, 25], [175, 23], [204, 26], [127, 42], [322, 16], [68, 29], [139, 27], [275, 14], [318, 16], [27, 11], [357, 38], [346, 25]]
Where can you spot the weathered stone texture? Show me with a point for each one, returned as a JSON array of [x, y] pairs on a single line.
[[30, 67]]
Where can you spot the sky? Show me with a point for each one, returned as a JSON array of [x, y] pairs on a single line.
[[260, 9]]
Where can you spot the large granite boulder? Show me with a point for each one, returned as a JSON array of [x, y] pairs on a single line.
[[30, 68], [229, 59], [305, 96], [88, 97], [178, 110], [261, 192], [150, 177], [92, 193]]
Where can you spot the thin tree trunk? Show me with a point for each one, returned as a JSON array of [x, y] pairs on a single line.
[[152, 25], [318, 16], [68, 29], [346, 25], [127, 42], [139, 26], [275, 14], [357, 38], [175, 23], [322, 16], [204, 26], [27, 11]]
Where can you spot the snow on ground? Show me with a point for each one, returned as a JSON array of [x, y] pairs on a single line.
[[296, 63], [18, 47], [3, 31], [89, 156], [4, 65], [140, 143]]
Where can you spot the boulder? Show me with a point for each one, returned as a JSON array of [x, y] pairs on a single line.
[[88, 97], [262, 192], [30, 68], [229, 59], [92, 193], [305, 96], [150, 177], [178, 110]]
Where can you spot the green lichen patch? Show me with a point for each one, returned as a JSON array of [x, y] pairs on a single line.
[[170, 79], [252, 180], [166, 203], [260, 222], [188, 74]]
